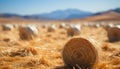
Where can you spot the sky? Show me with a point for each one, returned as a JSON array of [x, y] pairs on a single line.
[[29, 7]]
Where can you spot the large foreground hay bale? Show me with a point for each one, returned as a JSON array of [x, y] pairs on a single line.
[[113, 34], [80, 52]]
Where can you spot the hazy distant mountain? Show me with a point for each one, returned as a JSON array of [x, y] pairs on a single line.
[[117, 10], [113, 14], [55, 15], [8, 15], [110, 15], [66, 14]]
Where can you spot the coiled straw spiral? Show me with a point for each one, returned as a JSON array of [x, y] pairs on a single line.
[[80, 52]]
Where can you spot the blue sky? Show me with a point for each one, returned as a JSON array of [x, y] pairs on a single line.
[[28, 7]]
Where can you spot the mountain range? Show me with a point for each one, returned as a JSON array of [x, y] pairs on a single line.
[[63, 15], [69, 14]]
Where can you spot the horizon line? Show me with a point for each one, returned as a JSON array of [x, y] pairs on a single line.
[[56, 10]]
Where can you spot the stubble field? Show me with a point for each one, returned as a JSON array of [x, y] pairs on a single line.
[[44, 51]]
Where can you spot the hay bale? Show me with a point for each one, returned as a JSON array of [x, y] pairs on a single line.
[[62, 25], [85, 24], [44, 26], [74, 30], [7, 27], [103, 24], [80, 52], [97, 25], [28, 32], [113, 34], [111, 25], [51, 28]]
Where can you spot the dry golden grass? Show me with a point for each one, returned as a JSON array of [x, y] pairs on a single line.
[[44, 51]]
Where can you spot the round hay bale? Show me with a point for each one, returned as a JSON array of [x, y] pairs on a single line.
[[44, 26], [51, 28], [80, 52], [113, 34], [62, 25], [86, 24], [7, 27], [74, 30], [28, 32], [33, 29], [97, 25], [24, 34], [111, 25]]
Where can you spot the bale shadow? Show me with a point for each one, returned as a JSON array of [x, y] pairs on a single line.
[[62, 67]]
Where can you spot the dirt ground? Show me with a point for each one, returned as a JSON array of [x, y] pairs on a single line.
[[44, 51]]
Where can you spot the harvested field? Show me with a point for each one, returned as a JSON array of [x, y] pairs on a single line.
[[44, 51]]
